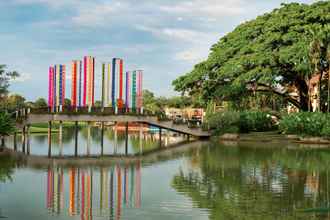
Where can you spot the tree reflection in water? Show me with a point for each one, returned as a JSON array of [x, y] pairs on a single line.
[[245, 182], [7, 165]]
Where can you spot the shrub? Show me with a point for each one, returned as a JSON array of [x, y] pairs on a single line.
[[306, 124], [224, 122], [255, 121], [239, 122]]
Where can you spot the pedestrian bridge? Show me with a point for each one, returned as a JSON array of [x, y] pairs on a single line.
[[33, 116]]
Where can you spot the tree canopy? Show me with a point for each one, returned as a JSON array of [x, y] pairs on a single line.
[[269, 54], [5, 77]]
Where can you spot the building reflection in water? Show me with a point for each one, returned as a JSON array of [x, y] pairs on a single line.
[[113, 188]]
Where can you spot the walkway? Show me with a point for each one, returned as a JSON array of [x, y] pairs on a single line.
[[32, 118]]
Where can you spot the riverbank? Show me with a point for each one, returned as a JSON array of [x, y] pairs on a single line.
[[273, 136]]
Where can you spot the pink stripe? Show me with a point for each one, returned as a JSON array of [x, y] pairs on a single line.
[[85, 81]]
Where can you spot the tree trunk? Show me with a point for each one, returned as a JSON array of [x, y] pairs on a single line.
[[319, 95]]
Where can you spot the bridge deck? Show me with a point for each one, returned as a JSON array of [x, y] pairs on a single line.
[[151, 120]]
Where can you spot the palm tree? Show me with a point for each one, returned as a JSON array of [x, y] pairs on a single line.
[[7, 127]]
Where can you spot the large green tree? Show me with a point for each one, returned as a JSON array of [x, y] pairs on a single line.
[[5, 77], [268, 54]]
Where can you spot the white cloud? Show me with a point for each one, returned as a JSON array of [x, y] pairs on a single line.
[[97, 14], [180, 34], [209, 8], [51, 3], [192, 55]]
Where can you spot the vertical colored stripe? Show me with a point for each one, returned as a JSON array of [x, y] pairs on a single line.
[[80, 75], [93, 81], [85, 81], [128, 90], [113, 102], [134, 90], [64, 84], [54, 87], [103, 85], [120, 79]]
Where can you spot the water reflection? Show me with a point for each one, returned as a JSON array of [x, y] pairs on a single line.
[[113, 189], [247, 182]]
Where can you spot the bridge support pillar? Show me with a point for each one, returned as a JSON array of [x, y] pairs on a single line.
[[126, 138], [102, 137], [28, 139], [88, 138], [49, 139], [60, 138], [23, 139], [76, 139], [160, 137], [15, 141], [140, 138]]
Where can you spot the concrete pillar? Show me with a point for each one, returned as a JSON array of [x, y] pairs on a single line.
[[116, 140], [88, 151], [76, 139], [140, 138], [49, 139], [15, 141], [160, 137], [23, 139], [126, 138], [60, 138], [28, 139], [102, 138]]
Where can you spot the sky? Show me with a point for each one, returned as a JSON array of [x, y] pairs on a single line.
[[165, 38]]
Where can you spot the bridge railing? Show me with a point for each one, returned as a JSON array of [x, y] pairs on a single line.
[[68, 110], [21, 114]]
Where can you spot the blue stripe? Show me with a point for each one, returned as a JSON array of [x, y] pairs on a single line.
[[113, 82]]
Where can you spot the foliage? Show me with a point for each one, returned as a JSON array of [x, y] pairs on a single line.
[[12, 102], [7, 165], [243, 122], [255, 121], [5, 77], [224, 122], [306, 123], [266, 54], [40, 103], [7, 124], [157, 104]]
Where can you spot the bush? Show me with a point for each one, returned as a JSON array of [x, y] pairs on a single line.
[[224, 122], [239, 122], [255, 121], [306, 124]]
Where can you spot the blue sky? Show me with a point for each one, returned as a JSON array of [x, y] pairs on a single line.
[[165, 38]]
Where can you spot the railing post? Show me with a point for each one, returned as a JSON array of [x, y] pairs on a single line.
[[126, 138], [60, 137], [76, 139], [102, 137], [28, 139], [23, 139], [160, 136], [15, 141]]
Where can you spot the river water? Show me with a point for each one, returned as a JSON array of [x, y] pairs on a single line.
[[198, 180]]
